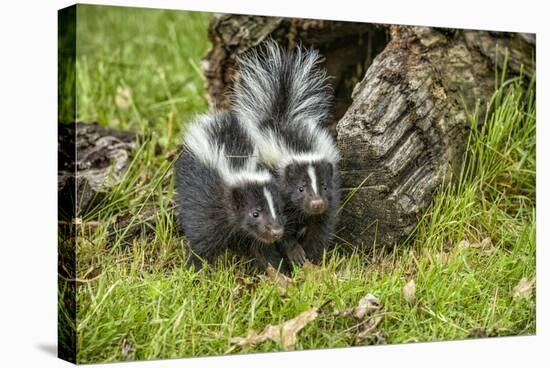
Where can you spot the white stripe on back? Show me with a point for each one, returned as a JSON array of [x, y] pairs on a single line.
[[313, 178], [269, 199], [200, 142]]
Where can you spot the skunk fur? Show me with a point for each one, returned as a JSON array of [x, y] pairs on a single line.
[[282, 99], [224, 199]]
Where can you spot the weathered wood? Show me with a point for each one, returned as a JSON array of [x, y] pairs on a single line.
[[405, 133], [91, 159], [402, 131]]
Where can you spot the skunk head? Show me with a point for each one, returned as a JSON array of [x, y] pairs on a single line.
[[251, 201], [256, 209], [308, 186]]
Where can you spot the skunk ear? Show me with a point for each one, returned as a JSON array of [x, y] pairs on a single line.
[[288, 171], [236, 197]]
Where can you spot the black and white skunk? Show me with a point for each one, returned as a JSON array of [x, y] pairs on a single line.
[[283, 101], [225, 201]]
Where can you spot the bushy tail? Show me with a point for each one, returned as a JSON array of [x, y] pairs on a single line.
[[199, 141], [278, 87]]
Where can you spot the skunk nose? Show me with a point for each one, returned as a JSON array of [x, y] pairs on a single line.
[[277, 231], [318, 205]]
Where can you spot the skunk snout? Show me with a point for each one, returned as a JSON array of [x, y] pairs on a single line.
[[316, 206], [276, 231]]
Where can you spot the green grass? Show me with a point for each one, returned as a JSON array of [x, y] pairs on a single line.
[[138, 69], [141, 303]]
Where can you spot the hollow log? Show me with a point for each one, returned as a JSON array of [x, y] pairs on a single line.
[[402, 94]]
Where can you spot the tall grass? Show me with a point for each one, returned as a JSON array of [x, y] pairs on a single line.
[[137, 69]]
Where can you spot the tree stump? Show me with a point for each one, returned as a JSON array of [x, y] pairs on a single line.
[[401, 96]]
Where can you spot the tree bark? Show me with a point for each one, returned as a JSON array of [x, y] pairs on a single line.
[[405, 132], [402, 94], [91, 160]]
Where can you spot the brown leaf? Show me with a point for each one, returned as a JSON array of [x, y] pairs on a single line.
[[123, 97], [443, 258], [311, 269], [409, 292], [368, 327], [523, 289], [375, 338], [281, 280], [246, 283], [485, 246], [477, 332], [286, 333], [367, 304], [464, 244], [486, 243], [126, 349], [489, 252], [308, 265]]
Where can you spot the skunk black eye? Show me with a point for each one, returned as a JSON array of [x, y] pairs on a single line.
[[325, 187], [301, 189], [255, 214]]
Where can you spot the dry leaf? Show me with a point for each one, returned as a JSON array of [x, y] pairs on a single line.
[[477, 332], [464, 244], [409, 292], [280, 279], [308, 265], [367, 328], [310, 269], [443, 258], [367, 304], [486, 243], [375, 338], [523, 289], [489, 252], [246, 283], [486, 246], [123, 97], [126, 349], [286, 333]]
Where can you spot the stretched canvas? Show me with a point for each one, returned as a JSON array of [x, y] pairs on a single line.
[[412, 218]]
